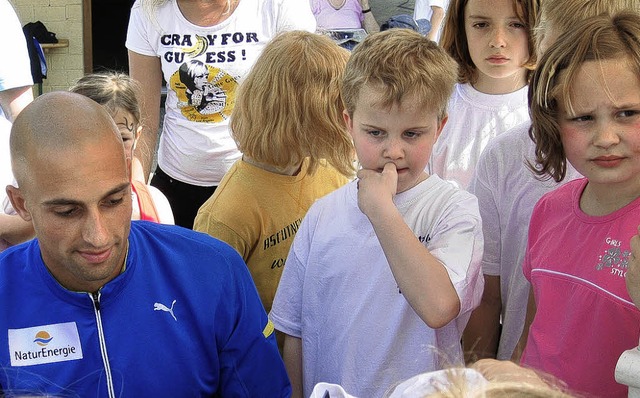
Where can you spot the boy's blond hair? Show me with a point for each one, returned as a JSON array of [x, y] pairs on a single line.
[[454, 38], [289, 106], [599, 38], [400, 63], [562, 16]]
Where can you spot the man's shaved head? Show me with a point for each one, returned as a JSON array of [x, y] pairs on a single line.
[[56, 122], [74, 187]]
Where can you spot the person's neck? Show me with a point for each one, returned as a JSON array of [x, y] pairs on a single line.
[[505, 85], [337, 4], [287, 171], [603, 199], [207, 12]]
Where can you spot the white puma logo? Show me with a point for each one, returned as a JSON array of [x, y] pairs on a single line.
[[162, 307]]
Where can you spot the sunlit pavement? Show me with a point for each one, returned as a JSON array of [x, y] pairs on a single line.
[[384, 9]]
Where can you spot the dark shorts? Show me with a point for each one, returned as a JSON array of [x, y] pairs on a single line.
[[185, 199]]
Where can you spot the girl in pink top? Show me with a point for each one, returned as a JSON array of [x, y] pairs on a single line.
[[585, 107]]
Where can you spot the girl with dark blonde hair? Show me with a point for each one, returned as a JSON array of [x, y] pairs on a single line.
[[288, 124]]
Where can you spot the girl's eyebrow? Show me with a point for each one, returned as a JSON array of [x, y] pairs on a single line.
[[476, 16], [414, 128], [371, 126], [627, 105]]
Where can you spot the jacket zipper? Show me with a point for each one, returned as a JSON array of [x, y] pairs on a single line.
[[95, 297]]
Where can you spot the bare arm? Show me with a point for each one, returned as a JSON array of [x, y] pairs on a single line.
[[14, 229], [482, 334], [531, 313], [292, 355], [412, 265], [14, 100], [436, 20], [369, 24], [147, 71]]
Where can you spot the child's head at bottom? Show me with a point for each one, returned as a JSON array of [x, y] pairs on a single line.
[[289, 106], [396, 89], [585, 101]]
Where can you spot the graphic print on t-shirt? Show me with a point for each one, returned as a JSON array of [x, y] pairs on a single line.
[[614, 258], [205, 93]]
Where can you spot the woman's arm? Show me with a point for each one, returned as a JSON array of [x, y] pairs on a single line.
[[147, 70], [369, 24], [437, 17], [13, 100]]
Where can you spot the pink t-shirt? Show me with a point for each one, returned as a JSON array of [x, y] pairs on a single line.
[[577, 264], [348, 16]]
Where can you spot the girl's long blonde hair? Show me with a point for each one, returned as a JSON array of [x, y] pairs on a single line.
[[289, 106]]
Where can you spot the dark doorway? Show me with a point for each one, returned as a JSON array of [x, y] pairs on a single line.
[[109, 21]]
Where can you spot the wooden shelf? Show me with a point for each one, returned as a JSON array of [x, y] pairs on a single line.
[[62, 43]]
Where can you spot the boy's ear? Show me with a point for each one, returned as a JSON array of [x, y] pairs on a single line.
[[18, 202], [441, 124], [348, 121]]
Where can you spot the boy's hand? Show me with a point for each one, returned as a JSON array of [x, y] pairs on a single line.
[[376, 189]]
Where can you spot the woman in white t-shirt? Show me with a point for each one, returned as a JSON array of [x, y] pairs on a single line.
[[202, 50]]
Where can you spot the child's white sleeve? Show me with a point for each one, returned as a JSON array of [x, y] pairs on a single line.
[[458, 243]]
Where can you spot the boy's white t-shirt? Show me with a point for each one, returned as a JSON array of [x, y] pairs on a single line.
[[475, 118], [338, 294]]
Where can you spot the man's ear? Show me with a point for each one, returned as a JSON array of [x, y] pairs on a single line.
[[18, 202], [441, 124]]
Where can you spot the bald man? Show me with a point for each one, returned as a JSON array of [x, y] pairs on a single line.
[[98, 306]]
